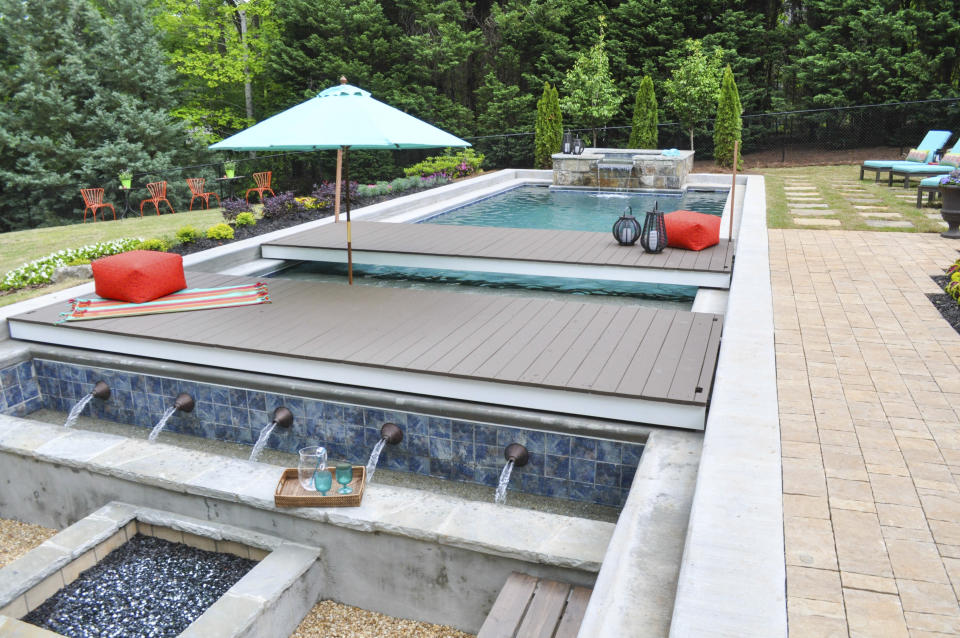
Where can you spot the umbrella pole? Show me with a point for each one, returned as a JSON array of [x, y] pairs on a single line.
[[346, 176], [336, 195]]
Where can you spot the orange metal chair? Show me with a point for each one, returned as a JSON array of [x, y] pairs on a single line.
[[263, 184], [93, 200], [196, 189], [158, 193]]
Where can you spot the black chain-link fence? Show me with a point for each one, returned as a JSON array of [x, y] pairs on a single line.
[[781, 137]]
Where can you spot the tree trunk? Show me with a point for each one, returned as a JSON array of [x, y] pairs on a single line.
[[691, 138], [594, 138], [247, 86]]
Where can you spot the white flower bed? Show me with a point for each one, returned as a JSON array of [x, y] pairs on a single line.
[[40, 271]]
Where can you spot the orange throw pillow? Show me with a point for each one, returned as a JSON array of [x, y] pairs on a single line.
[[691, 230], [138, 276]]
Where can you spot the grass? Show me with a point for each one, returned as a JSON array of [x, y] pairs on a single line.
[[19, 247], [824, 179]]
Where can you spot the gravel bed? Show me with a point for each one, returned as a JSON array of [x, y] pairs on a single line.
[[147, 587], [332, 620], [16, 539], [949, 308]]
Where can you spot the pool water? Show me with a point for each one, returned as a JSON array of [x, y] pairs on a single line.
[[542, 207], [596, 290]]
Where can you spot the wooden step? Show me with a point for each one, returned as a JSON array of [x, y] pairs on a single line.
[[530, 607]]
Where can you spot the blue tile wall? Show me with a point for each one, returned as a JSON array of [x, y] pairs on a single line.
[[561, 465]]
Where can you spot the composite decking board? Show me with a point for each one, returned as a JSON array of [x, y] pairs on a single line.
[[549, 330], [626, 352], [573, 615], [449, 362], [596, 360], [580, 348], [652, 370], [545, 609], [526, 244], [691, 360], [709, 365], [509, 607], [550, 356], [531, 342]]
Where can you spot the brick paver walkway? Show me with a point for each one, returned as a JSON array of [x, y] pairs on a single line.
[[868, 377]]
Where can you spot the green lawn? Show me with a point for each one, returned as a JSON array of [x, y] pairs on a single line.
[[826, 178], [19, 247]]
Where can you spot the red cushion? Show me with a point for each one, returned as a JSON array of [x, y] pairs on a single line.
[[691, 230], [138, 275]]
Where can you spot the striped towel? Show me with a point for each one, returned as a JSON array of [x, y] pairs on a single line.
[[186, 299]]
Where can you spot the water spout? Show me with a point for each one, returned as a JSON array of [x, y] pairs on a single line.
[[517, 456], [389, 433], [100, 391], [281, 417], [184, 403]]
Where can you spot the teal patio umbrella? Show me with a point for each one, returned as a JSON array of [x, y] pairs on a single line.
[[341, 117]]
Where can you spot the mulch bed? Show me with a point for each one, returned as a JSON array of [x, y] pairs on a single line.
[[949, 308]]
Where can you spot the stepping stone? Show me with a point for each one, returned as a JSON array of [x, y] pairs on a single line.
[[799, 188], [876, 209], [807, 205], [854, 200], [811, 213], [816, 222], [885, 223], [881, 215], [933, 216]]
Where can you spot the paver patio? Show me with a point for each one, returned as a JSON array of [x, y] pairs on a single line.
[[868, 377]]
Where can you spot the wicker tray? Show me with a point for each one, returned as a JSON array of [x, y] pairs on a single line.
[[291, 494]]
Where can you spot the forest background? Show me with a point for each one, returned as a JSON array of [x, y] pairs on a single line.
[[92, 87]]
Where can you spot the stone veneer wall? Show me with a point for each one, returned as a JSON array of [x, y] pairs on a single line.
[[561, 465], [650, 170]]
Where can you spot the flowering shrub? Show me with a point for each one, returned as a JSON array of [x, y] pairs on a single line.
[[953, 179], [220, 231], [281, 205], [312, 203], [233, 206], [325, 192], [160, 245], [245, 219], [464, 163], [39, 271]]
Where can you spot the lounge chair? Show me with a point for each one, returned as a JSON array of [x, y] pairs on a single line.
[[948, 163], [930, 186], [932, 142]]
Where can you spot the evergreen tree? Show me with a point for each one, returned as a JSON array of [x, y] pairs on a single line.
[[728, 126], [692, 89], [549, 129], [590, 92], [85, 94], [643, 134]]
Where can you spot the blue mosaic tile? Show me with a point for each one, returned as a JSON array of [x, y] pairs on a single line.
[[554, 487], [607, 475], [440, 468], [486, 476], [583, 471], [371, 436], [295, 405], [441, 448], [373, 418], [397, 463], [610, 498], [416, 444], [30, 389], [506, 436], [461, 471], [246, 436], [155, 386], [581, 491], [557, 444], [205, 412], [631, 454], [137, 383], [535, 463], [240, 418], [13, 395], [583, 448], [419, 464], [440, 428], [609, 451], [556, 466], [351, 414], [488, 454], [238, 398], [461, 431], [417, 424], [8, 377], [485, 434], [626, 476], [531, 483], [34, 404], [399, 418], [462, 452], [222, 414]]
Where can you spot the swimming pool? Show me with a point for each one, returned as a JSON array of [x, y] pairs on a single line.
[[541, 207]]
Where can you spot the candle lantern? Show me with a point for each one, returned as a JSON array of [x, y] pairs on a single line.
[[567, 143], [626, 230], [577, 146], [653, 238]]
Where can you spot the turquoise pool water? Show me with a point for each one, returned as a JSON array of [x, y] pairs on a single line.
[[541, 207], [595, 290]]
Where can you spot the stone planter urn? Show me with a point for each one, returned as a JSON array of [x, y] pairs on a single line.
[[950, 210]]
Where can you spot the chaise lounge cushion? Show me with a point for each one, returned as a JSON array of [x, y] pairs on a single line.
[[692, 230], [138, 276]]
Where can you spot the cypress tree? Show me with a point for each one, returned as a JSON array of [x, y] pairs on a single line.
[[728, 126], [549, 127], [644, 131]]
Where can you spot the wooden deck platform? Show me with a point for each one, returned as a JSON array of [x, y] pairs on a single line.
[[526, 251], [529, 607], [627, 362]]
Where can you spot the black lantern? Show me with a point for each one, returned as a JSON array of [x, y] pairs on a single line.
[[567, 143], [626, 230], [654, 235], [577, 146]]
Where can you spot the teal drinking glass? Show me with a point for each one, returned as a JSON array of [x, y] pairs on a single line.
[[344, 476], [323, 480]]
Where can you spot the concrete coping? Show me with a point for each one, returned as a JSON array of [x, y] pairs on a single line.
[[41, 572], [510, 532]]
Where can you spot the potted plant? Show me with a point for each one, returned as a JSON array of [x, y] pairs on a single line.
[[229, 168], [950, 204], [126, 177]]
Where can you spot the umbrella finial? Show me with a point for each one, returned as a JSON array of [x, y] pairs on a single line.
[[343, 79]]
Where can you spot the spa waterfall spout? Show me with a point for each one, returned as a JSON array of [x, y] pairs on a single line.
[[389, 433], [183, 402], [282, 417], [516, 456], [100, 391]]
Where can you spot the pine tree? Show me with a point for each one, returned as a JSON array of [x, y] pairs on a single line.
[[549, 127], [85, 94], [728, 126], [644, 131]]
